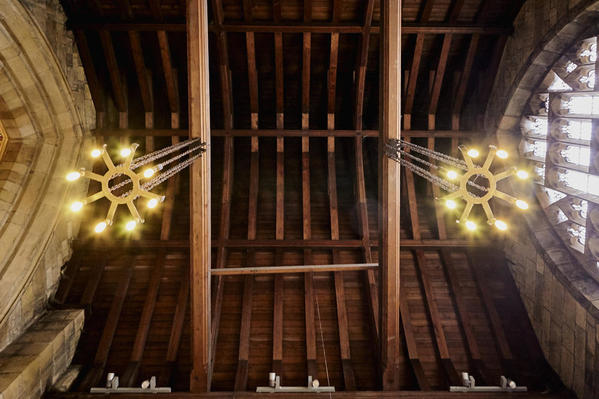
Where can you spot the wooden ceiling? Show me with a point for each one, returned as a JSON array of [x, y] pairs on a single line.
[[294, 105]]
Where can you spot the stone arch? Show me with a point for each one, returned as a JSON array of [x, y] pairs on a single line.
[[45, 137], [559, 288]]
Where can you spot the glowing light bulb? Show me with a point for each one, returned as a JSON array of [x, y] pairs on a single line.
[[125, 152], [100, 227], [522, 204], [96, 152], [452, 175], [130, 226], [149, 173], [501, 225], [152, 203], [72, 176], [76, 206], [450, 204], [522, 174], [470, 225], [502, 154], [473, 153]]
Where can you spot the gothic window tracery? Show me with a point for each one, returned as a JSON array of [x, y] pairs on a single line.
[[561, 140]]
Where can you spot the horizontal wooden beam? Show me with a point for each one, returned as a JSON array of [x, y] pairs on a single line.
[[270, 244], [458, 29], [236, 271], [283, 133]]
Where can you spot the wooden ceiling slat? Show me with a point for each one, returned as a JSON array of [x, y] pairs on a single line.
[[475, 261], [95, 374], [408, 333], [412, 81], [342, 322], [90, 73], [434, 315], [129, 377], [465, 79], [177, 325], [362, 65], [438, 81], [116, 78], [457, 292], [170, 78]]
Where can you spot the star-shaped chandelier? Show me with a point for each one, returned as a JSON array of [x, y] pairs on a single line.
[[476, 185], [181, 155]]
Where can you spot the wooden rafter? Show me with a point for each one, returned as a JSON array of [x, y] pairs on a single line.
[[389, 195], [116, 78], [130, 375], [94, 375], [174, 340], [406, 323], [362, 65], [463, 85], [457, 293], [170, 78], [200, 257], [451, 374]]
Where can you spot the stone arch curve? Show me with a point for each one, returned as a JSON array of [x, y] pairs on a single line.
[[45, 137]]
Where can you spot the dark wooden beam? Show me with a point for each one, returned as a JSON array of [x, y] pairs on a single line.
[[170, 78], [130, 375], [116, 79], [439, 211], [459, 297], [503, 346], [369, 276], [451, 374], [438, 81], [95, 87], [177, 324], [412, 81], [200, 263], [412, 204], [67, 280], [465, 79], [96, 373], [389, 196], [362, 65], [280, 132], [406, 323], [93, 280]]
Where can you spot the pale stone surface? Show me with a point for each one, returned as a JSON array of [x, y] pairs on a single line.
[[559, 295], [41, 355], [47, 112]]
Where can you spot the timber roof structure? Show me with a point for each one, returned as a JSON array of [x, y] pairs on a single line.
[[295, 116]]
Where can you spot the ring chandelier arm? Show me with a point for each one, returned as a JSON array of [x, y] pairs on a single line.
[[441, 171], [182, 155]]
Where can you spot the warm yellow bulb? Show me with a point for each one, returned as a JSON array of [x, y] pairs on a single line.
[[152, 203], [501, 225], [96, 152], [130, 226], [149, 173], [502, 154], [76, 206], [522, 174], [125, 152], [473, 153], [72, 176], [522, 204], [470, 225], [100, 227], [450, 204], [452, 175]]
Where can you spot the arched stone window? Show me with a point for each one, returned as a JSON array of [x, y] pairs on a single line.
[[559, 129]]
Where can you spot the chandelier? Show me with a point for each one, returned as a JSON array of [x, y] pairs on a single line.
[[176, 157], [459, 178]]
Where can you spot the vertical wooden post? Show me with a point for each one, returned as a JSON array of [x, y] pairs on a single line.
[[390, 196], [199, 126]]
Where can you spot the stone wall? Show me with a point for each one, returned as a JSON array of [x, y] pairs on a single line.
[[561, 298], [47, 112]]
